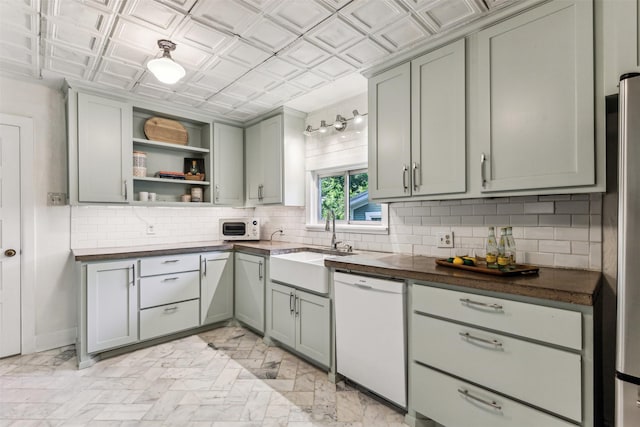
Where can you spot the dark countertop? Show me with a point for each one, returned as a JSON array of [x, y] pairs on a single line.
[[556, 284], [259, 248]]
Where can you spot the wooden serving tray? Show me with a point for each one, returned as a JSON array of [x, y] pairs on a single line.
[[519, 270], [166, 130]]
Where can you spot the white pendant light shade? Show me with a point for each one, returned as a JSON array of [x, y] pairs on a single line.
[[165, 68]]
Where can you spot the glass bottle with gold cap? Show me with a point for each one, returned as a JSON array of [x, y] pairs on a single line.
[[504, 258], [492, 249]]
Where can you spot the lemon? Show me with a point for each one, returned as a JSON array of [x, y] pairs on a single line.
[[458, 260]]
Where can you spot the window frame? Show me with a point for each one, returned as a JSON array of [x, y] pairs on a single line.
[[314, 204]]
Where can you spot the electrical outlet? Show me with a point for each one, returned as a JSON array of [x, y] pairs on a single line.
[[445, 239], [151, 229], [56, 199]]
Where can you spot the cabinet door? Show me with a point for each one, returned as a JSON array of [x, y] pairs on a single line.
[[104, 150], [313, 321], [281, 324], [535, 112], [112, 305], [438, 124], [271, 135], [249, 298], [216, 287], [390, 133], [254, 164], [228, 157]]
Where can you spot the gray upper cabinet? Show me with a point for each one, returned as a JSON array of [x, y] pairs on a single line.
[[621, 51], [228, 169], [417, 126], [275, 161], [438, 121], [390, 133], [535, 106], [264, 162], [104, 147]]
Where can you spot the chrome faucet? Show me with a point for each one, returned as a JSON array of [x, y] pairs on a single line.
[[277, 231], [332, 214]]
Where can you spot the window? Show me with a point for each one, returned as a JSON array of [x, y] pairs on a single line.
[[347, 194]]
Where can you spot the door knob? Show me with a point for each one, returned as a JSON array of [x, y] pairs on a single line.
[[10, 252]]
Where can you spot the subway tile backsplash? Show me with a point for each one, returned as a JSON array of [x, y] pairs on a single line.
[[544, 236]]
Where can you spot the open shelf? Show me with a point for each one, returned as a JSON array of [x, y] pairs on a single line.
[[170, 181], [169, 146]]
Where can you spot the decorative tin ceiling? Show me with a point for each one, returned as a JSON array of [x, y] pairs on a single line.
[[242, 57]]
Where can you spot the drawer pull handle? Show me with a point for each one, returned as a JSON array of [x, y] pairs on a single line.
[[492, 403], [468, 301], [169, 279], [495, 343], [169, 261], [170, 309]]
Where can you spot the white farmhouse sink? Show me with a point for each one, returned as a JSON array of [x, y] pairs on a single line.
[[304, 270]]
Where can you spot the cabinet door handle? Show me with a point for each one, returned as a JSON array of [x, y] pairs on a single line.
[[217, 192], [468, 302], [291, 303], [260, 270], [297, 305], [483, 159], [124, 189], [170, 279], [497, 344], [171, 309], [493, 404], [133, 275], [204, 267], [170, 261], [414, 169], [404, 178]]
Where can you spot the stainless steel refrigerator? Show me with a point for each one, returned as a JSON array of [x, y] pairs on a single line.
[[628, 286]]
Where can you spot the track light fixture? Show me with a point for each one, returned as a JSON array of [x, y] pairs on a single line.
[[165, 68], [339, 125]]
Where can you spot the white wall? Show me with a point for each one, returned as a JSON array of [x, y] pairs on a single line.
[[55, 304]]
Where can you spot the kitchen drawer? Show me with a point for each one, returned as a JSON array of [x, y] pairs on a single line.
[[440, 397], [543, 376], [166, 319], [169, 288], [552, 325], [169, 264]]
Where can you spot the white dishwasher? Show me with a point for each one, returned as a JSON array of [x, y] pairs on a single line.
[[370, 334]]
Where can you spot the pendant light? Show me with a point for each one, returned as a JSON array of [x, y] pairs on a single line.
[[165, 68]]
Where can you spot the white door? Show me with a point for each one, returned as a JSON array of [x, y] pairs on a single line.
[[9, 240]]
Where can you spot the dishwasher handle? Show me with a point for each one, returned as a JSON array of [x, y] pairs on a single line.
[[389, 287]]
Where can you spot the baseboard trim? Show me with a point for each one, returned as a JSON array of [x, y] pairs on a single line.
[[56, 339]]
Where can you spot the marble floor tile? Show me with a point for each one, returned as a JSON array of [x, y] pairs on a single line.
[[225, 377]]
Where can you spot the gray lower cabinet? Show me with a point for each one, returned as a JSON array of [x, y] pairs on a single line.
[[486, 360], [300, 320], [112, 305], [169, 294], [216, 287], [249, 290]]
